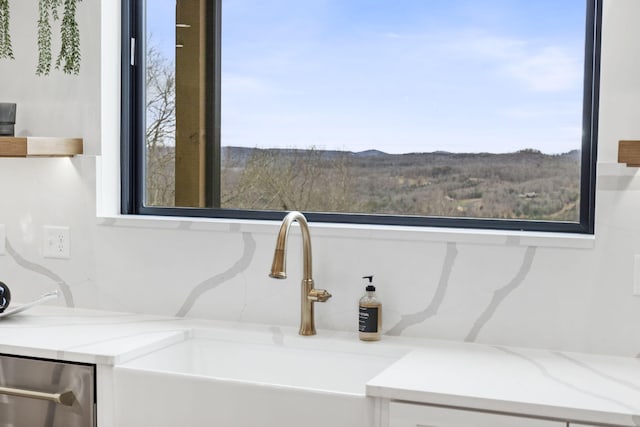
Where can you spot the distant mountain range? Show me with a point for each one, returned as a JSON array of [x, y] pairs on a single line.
[[241, 154]]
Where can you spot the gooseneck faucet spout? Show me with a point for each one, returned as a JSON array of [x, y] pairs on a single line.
[[279, 270]]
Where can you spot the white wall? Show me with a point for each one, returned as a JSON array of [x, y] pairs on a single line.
[[557, 293], [58, 104]]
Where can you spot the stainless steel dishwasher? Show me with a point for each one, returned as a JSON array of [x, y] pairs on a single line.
[[45, 393]]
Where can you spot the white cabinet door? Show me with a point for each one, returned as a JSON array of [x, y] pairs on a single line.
[[414, 415]]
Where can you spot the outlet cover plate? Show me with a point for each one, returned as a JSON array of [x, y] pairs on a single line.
[[56, 242]]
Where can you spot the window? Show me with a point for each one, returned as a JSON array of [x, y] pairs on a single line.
[[456, 113]]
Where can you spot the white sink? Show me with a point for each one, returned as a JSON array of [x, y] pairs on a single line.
[[234, 377]]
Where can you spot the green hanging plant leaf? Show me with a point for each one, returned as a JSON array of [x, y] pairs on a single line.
[[70, 33], [6, 51], [45, 8], [69, 55]]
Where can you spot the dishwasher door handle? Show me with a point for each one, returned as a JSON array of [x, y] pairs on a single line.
[[65, 398]]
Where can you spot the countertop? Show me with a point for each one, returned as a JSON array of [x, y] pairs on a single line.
[[87, 336], [587, 388], [592, 389]]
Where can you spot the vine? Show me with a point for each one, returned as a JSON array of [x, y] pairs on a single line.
[[46, 8], [6, 51], [69, 55], [70, 33]]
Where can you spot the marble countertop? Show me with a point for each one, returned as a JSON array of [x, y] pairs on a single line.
[[87, 336], [567, 386], [591, 389]]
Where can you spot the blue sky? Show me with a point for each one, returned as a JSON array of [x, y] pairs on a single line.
[[398, 75]]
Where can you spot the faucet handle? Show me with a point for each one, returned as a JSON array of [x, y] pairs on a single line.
[[318, 295]]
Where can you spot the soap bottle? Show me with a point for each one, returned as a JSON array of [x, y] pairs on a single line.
[[370, 314]]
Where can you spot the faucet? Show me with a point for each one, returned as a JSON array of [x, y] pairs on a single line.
[[279, 271]]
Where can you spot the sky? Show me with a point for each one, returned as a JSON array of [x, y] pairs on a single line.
[[397, 75]]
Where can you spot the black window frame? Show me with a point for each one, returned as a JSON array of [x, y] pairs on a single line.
[[133, 137]]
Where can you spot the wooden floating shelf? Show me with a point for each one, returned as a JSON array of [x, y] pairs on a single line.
[[32, 146], [629, 152]]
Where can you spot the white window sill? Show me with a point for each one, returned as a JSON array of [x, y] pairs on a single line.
[[357, 231]]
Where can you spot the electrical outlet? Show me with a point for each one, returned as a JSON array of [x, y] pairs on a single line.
[[3, 238], [56, 242]]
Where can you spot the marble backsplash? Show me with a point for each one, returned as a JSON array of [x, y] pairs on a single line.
[[504, 294]]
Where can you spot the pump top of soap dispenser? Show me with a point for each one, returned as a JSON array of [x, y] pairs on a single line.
[[370, 287]]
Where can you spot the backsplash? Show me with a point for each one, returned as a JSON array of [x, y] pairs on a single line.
[[504, 293], [509, 294]]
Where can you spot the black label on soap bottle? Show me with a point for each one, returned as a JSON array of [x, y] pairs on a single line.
[[368, 319]]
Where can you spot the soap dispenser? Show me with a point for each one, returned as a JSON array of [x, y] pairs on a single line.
[[370, 314]]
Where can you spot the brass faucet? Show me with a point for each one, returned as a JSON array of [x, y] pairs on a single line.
[[279, 270]]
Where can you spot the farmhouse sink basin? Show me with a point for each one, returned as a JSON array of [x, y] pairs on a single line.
[[248, 378]]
